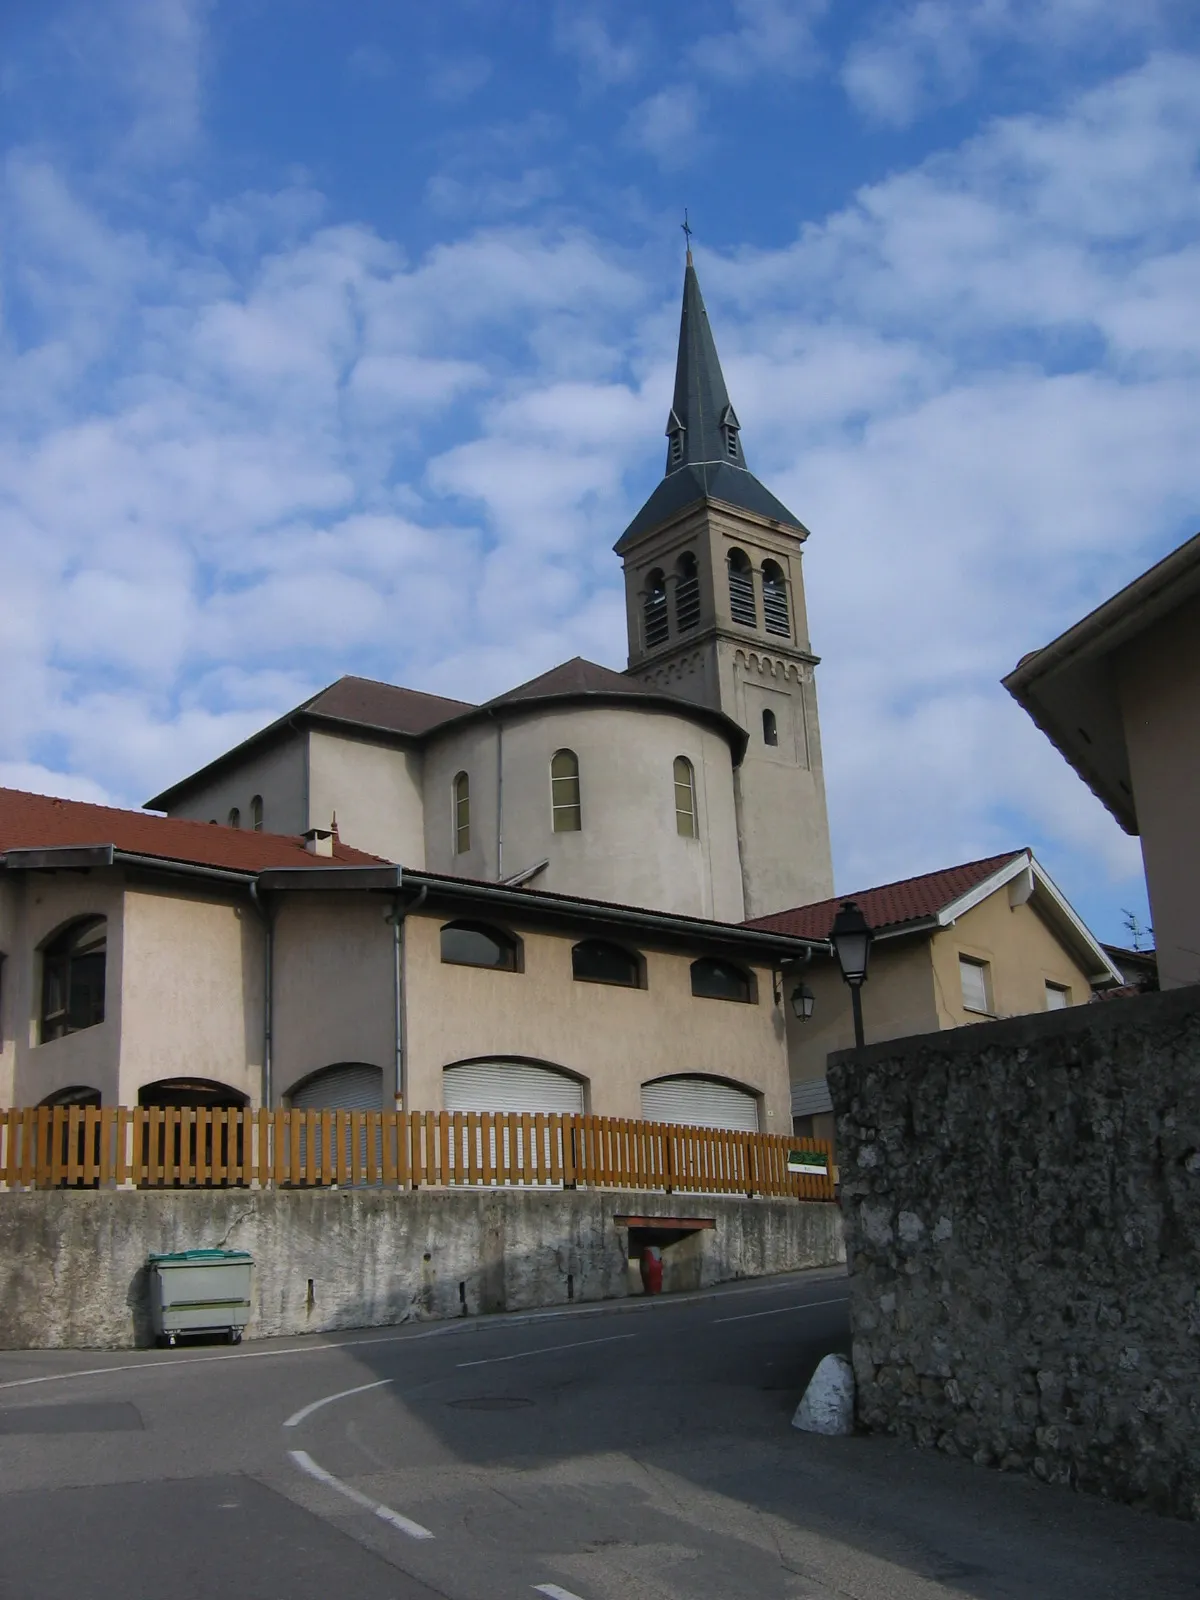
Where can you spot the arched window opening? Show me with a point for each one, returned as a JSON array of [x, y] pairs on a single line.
[[79, 1094], [742, 605], [721, 980], [194, 1093], [685, 799], [700, 1102], [775, 600], [479, 944], [770, 727], [462, 814], [348, 1086], [655, 623], [598, 961], [73, 966], [687, 593], [565, 810], [235, 818], [507, 1085], [256, 813]]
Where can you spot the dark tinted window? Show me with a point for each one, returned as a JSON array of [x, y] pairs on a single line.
[[474, 944], [720, 980], [73, 978], [597, 961]]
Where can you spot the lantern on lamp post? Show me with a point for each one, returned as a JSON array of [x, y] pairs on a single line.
[[851, 937]]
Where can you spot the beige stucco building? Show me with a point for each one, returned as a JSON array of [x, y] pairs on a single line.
[[1119, 695], [991, 938]]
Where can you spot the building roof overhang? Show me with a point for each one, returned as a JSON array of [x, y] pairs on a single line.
[[1069, 687]]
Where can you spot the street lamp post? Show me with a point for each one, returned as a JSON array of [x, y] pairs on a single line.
[[851, 937]]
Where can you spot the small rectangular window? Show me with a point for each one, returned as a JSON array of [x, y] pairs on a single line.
[[975, 985], [1058, 998]]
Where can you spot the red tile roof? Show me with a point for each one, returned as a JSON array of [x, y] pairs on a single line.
[[39, 821], [909, 900]]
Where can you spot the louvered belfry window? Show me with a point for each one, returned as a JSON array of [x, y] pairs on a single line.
[[742, 605], [687, 593], [566, 813], [775, 600], [685, 798], [655, 623], [462, 814]]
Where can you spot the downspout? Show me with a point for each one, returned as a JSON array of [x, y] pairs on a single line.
[[399, 913], [499, 800], [268, 922]]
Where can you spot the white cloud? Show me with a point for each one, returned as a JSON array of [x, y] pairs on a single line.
[[667, 124], [455, 79], [605, 56], [771, 37]]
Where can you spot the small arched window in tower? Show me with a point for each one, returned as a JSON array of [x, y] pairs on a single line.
[[742, 605], [687, 593], [655, 624], [462, 814], [235, 818], [256, 813], [770, 727], [565, 812], [685, 798], [775, 600]]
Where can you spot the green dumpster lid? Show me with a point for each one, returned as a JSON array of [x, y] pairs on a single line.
[[199, 1256]]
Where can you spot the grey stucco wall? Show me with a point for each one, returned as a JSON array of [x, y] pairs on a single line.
[[73, 1265], [1022, 1212]]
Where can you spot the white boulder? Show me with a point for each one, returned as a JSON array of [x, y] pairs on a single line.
[[828, 1404]]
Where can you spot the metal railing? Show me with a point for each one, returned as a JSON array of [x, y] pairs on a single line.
[[153, 1147]]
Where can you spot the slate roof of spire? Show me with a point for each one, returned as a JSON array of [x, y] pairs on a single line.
[[705, 468]]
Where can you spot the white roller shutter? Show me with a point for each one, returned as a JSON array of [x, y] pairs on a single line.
[[700, 1103], [353, 1087], [509, 1086]]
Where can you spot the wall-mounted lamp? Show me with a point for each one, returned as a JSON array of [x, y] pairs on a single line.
[[802, 1001]]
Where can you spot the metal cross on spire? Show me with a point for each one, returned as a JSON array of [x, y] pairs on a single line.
[[687, 233]]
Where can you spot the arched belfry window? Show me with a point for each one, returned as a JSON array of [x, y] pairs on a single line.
[[462, 814], [742, 605], [256, 813], [775, 600], [655, 623], [685, 798], [687, 593], [565, 809], [770, 727], [73, 966]]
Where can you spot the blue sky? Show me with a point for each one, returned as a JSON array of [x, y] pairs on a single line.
[[338, 338]]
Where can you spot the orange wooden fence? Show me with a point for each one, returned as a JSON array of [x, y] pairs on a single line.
[[90, 1147]]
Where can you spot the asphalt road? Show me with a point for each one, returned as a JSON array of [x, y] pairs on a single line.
[[634, 1451]]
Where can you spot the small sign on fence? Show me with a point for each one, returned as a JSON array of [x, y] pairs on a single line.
[[813, 1163]]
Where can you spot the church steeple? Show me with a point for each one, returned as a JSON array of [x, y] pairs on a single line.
[[705, 460]]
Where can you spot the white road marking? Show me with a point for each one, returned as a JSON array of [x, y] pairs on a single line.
[[298, 1417], [808, 1305], [553, 1592], [576, 1344], [314, 1469]]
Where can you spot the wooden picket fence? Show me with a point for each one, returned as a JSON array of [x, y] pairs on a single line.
[[91, 1147]]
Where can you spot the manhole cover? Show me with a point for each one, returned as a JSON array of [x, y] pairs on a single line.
[[491, 1402]]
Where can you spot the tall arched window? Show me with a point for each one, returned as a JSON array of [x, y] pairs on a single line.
[[687, 593], [775, 600], [73, 966], [742, 605], [655, 623], [565, 811], [235, 818], [256, 813], [462, 814], [770, 727], [685, 798]]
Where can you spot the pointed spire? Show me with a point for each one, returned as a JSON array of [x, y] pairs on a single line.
[[703, 426]]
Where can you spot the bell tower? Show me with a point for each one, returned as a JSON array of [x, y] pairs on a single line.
[[715, 608]]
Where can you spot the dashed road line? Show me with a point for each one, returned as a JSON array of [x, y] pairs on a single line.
[[520, 1355], [778, 1311], [314, 1469], [553, 1592]]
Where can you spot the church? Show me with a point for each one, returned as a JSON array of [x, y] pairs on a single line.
[[691, 782]]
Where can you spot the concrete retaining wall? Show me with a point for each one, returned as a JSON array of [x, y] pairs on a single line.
[[73, 1266], [1022, 1211]]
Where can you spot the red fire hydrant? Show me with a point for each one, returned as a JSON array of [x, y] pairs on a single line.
[[651, 1269]]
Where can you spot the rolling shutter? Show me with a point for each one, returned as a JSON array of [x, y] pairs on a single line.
[[700, 1103], [353, 1087], [509, 1086]]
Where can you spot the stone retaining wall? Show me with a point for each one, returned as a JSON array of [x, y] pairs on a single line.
[[73, 1265], [1022, 1210]]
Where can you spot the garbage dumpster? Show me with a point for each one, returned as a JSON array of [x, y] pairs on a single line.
[[200, 1291]]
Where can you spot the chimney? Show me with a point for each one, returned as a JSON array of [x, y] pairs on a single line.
[[319, 842]]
